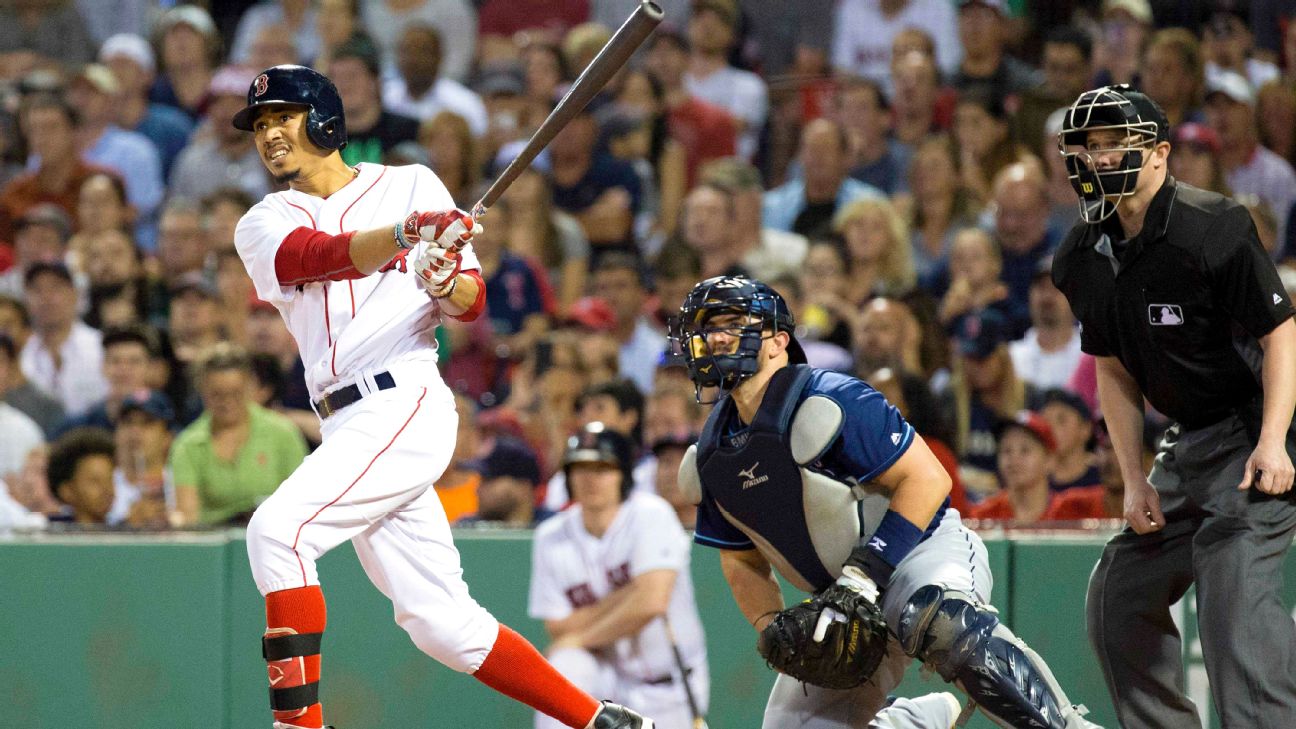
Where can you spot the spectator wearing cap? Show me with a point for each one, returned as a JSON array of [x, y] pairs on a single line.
[[422, 89], [620, 280], [94, 92], [195, 322], [1125, 28], [129, 356], [1067, 66], [294, 20], [1228, 43], [865, 29], [142, 433], [15, 388], [1249, 167], [712, 32], [130, 58], [807, 204], [982, 28], [599, 190], [1196, 159], [766, 252], [1174, 75], [63, 357], [1049, 353], [41, 235], [706, 131], [21, 433], [506, 496], [189, 47], [236, 453], [221, 156], [1026, 450], [1072, 424], [49, 126], [986, 390], [371, 130], [40, 33], [80, 474]]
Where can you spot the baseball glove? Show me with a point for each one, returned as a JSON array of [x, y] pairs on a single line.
[[849, 651]]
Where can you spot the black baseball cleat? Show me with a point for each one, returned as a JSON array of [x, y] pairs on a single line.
[[615, 716]]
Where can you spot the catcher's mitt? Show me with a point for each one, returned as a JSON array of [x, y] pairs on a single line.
[[851, 649]]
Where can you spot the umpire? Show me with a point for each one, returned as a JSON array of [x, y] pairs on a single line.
[[1180, 304]]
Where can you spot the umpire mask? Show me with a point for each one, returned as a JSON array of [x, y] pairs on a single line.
[[1138, 123]]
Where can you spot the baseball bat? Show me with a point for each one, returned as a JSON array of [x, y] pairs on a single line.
[[609, 60], [699, 721]]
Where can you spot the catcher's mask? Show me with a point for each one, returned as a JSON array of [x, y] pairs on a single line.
[[751, 311], [596, 443], [1142, 125]]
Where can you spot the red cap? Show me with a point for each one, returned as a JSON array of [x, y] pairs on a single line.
[[1197, 135], [594, 313], [1034, 424]]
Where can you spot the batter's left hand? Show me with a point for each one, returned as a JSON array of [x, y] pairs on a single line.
[[437, 269], [1273, 466]]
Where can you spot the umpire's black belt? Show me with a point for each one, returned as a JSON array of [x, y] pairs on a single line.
[[667, 678], [350, 395]]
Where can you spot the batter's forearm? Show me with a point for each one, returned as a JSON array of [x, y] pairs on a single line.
[[755, 590], [1278, 374], [371, 249], [1122, 408]]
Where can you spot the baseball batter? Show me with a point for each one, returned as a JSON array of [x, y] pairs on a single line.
[[815, 474], [333, 254], [607, 575]]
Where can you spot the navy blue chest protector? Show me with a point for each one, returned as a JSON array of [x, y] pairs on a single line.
[[754, 478]]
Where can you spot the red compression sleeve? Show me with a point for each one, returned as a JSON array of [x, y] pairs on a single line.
[[478, 304], [307, 256]]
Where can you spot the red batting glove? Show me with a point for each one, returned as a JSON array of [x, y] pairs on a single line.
[[451, 229]]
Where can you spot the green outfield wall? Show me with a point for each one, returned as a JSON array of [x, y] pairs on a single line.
[[139, 632]]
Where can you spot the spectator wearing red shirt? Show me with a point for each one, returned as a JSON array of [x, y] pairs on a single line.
[[1026, 447], [1103, 501], [707, 131]]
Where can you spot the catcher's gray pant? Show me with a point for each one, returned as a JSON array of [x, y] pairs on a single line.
[[953, 557], [1232, 544]]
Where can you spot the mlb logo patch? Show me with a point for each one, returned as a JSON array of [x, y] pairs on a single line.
[[1165, 315]]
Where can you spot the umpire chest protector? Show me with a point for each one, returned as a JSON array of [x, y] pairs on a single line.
[[770, 482]]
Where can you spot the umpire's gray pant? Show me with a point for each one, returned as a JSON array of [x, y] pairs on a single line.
[[1231, 544]]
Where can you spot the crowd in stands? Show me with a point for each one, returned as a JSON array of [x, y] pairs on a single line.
[[890, 166]]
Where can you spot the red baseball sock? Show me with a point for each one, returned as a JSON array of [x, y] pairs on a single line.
[[299, 611], [516, 669]]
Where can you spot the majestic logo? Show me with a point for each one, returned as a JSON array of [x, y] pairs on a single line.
[[895, 439], [1277, 299], [750, 478], [1165, 315], [262, 84]]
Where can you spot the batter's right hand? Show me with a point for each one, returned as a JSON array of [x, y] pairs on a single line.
[[1143, 507], [449, 229]]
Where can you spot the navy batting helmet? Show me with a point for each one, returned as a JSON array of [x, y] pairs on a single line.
[[766, 313], [298, 86], [595, 443]]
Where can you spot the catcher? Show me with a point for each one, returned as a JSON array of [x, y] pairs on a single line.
[[815, 474]]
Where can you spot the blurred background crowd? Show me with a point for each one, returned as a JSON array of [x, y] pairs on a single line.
[[890, 166]]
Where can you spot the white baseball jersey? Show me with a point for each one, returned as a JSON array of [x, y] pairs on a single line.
[[572, 568], [347, 328]]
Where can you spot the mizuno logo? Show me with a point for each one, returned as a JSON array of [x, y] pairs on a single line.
[[750, 477], [877, 544]]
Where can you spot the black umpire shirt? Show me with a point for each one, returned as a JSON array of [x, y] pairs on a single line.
[[1181, 305]]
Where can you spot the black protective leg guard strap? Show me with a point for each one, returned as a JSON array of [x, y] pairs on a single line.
[[279, 647], [296, 697]]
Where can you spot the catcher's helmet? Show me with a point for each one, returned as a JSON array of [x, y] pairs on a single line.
[[298, 86], [595, 443], [767, 314], [1118, 108]]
